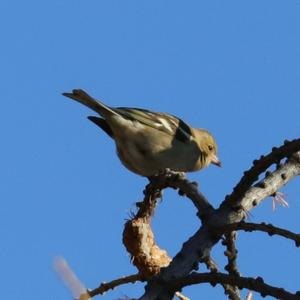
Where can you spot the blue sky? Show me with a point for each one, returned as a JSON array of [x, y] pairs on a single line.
[[230, 66]]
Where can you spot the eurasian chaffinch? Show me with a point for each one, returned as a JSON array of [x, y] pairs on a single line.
[[149, 142]]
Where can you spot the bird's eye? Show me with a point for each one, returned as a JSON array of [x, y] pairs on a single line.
[[210, 147]]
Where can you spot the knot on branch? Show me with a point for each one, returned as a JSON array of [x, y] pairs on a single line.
[[139, 241], [138, 236]]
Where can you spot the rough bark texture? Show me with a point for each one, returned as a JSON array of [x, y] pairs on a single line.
[[166, 276], [246, 195], [146, 255]]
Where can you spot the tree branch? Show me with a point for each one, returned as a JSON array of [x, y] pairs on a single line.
[[232, 210], [187, 188], [259, 166], [138, 236], [231, 267], [272, 183], [229, 290], [257, 284], [106, 286], [268, 228]]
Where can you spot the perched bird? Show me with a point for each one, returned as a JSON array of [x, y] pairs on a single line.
[[149, 142]]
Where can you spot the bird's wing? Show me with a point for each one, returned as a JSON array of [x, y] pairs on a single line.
[[160, 121], [102, 124]]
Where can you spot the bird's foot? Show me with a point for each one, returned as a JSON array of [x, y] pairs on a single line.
[[166, 173]]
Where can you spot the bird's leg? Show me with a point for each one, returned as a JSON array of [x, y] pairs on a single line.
[[162, 179]]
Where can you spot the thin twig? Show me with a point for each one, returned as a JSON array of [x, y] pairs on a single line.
[[231, 253], [254, 284], [231, 267], [210, 264], [231, 291], [105, 286], [268, 228]]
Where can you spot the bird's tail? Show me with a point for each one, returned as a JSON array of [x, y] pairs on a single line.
[[84, 98]]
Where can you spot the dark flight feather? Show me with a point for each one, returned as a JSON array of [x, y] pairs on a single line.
[[102, 124]]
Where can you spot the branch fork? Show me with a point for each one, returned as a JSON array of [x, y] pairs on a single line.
[[166, 276]]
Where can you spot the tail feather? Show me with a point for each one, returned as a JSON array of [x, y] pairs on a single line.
[[85, 99]]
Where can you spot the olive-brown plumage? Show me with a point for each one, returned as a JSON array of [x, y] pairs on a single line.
[[148, 142]]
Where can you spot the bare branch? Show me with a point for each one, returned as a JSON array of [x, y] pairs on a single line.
[[187, 188], [231, 267], [268, 228], [139, 239], [256, 284], [245, 198], [229, 290], [210, 264], [106, 286], [271, 184], [231, 253], [260, 166]]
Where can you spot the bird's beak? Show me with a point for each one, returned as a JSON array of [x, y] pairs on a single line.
[[215, 160]]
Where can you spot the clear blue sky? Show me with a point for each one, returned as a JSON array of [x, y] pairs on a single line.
[[230, 66]]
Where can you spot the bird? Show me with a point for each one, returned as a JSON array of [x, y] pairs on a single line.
[[148, 142]]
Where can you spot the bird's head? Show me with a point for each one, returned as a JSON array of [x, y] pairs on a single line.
[[208, 147]]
